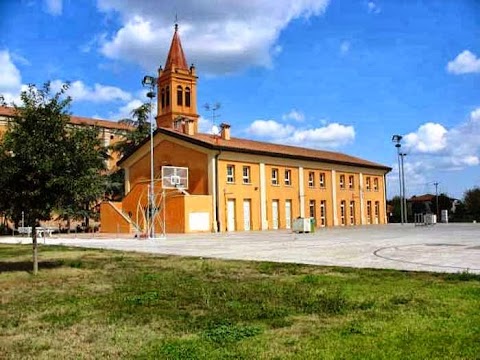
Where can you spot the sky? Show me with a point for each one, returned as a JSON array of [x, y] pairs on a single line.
[[340, 75]]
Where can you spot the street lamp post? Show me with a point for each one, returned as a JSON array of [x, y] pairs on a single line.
[[150, 82], [405, 210], [396, 139]]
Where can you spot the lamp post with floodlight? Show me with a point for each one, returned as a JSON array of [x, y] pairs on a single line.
[[150, 82], [396, 139]]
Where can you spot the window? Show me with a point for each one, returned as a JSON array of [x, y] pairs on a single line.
[[274, 176], [351, 183], [352, 212], [311, 179], [342, 181], [323, 212], [230, 174], [368, 183], [377, 211], [167, 96], [369, 212], [375, 184], [179, 95], [187, 97], [163, 98], [288, 177], [312, 208], [246, 174], [342, 211], [322, 180]]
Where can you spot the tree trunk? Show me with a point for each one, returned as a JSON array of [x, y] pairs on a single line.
[[68, 225], [35, 250]]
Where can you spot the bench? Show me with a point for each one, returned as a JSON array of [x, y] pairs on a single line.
[[41, 231]]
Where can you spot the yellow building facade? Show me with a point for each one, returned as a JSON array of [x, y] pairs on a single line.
[[239, 184]]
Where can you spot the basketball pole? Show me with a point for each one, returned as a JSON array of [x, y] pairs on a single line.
[[149, 81]]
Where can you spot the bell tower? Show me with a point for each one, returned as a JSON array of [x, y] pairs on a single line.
[[177, 88]]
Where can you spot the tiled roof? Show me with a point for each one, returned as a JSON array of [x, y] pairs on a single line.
[[176, 57], [422, 198], [77, 120], [265, 148]]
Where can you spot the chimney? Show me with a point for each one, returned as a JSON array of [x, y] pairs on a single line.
[[189, 127], [225, 131]]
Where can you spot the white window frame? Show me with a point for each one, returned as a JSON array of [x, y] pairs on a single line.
[[351, 182], [342, 181], [274, 176], [368, 183], [288, 177], [246, 176], [375, 184], [322, 180], [231, 177], [311, 179]]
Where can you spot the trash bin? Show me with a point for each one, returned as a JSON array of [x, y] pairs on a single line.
[[313, 223]]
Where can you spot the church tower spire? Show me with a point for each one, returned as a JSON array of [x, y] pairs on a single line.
[[177, 88]]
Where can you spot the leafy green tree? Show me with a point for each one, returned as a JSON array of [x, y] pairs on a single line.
[[141, 130], [395, 203], [139, 121], [45, 164], [86, 173], [471, 199]]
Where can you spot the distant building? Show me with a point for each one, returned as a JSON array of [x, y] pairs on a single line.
[[238, 184], [110, 131]]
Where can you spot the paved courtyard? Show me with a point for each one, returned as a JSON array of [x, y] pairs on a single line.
[[441, 248]]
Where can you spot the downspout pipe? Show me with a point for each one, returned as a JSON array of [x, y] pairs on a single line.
[[217, 191]]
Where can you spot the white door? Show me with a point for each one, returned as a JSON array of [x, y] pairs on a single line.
[[288, 214], [275, 214], [231, 215], [246, 215]]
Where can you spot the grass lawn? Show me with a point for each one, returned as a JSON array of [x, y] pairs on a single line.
[[106, 304]]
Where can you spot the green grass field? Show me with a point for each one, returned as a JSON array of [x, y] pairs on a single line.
[[106, 304]]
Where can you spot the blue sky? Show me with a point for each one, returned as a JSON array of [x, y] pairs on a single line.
[[343, 75]]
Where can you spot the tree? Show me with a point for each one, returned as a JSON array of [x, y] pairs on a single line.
[[395, 203], [471, 199], [86, 174], [141, 130], [44, 163], [139, 120]]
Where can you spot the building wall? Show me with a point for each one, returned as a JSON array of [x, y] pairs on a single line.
[[170, 153], [300, 192]]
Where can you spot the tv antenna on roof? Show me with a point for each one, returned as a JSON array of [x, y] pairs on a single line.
[[213, 108]]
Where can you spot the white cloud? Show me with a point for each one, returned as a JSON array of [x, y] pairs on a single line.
[[224, 38], [294, 115], [330, 136], [125, 111], [270, 129], [373, 8], [429, 138], [344, 47], [465, 62], [10, 78], [99, 93], [447, 149], [54, 7]]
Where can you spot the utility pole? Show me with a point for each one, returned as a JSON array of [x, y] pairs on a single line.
[[436, 183]]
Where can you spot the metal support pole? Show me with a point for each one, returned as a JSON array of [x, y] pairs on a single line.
[[405, 211], [400, 183]]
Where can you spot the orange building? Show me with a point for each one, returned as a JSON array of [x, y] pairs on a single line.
[[238, 184], [109, 131]]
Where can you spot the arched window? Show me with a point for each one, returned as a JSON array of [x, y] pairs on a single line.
[[163, 98], [187, 96], [179, 96], [167, 96]]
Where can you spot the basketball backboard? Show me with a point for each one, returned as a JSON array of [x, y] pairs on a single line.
[[174, 177]]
